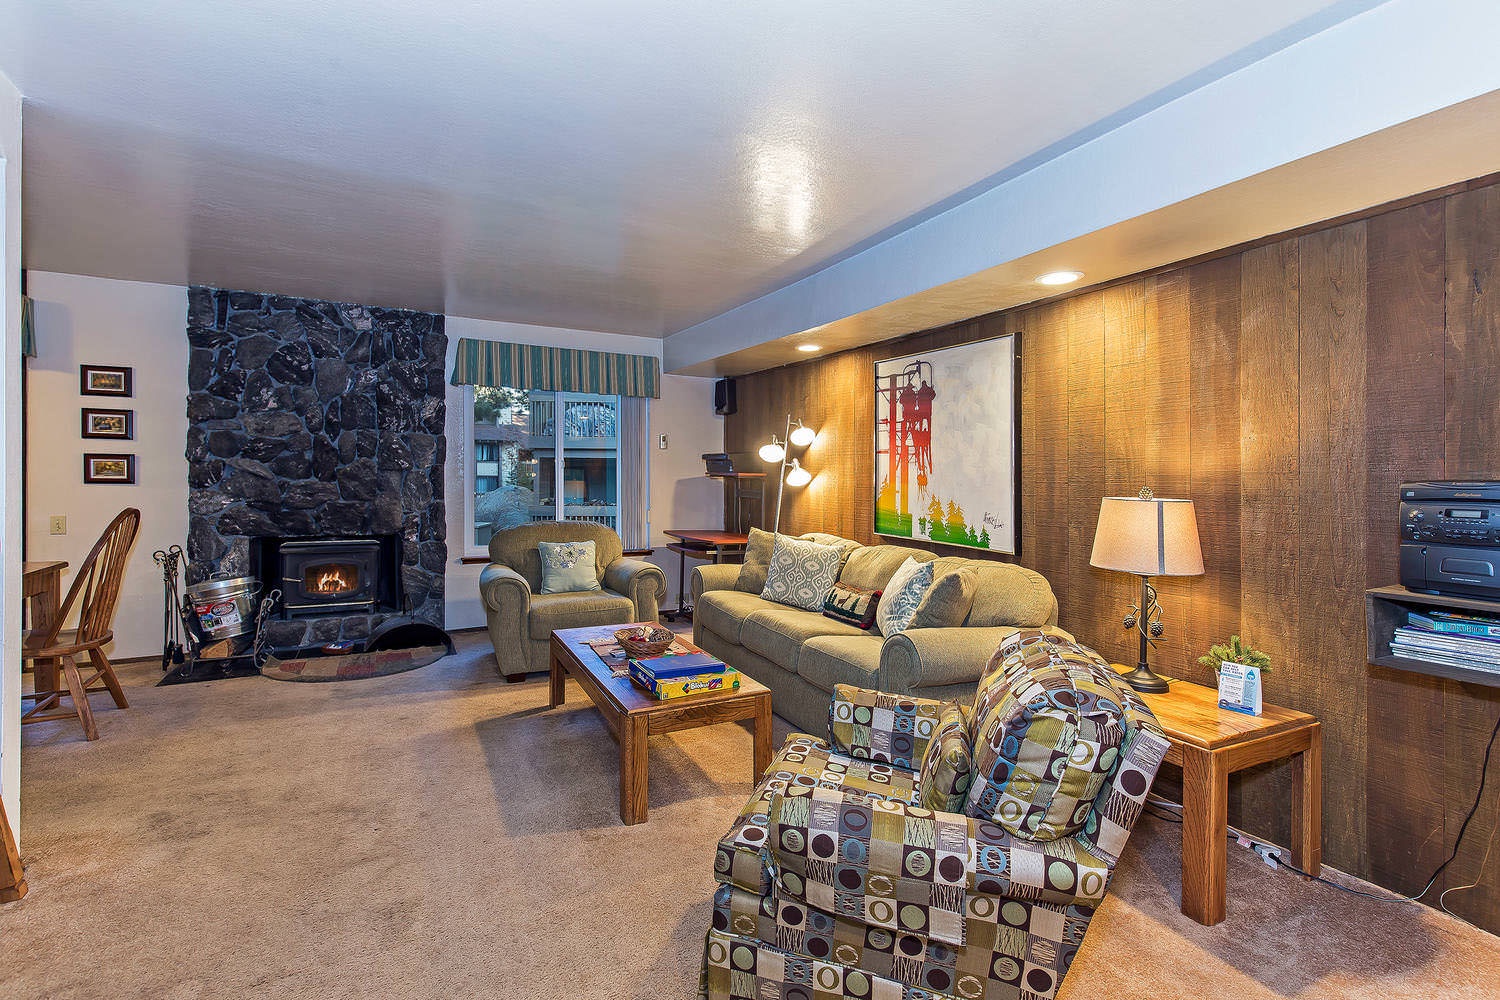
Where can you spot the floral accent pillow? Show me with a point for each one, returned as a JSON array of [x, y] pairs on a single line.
[[902, 596], [568, 567]]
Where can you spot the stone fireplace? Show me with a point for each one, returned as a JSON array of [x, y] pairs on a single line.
[[318, 422]]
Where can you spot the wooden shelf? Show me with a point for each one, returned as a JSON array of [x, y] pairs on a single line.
[[1385, 610]]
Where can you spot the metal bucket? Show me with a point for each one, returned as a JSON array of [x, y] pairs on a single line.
[[224, 607]]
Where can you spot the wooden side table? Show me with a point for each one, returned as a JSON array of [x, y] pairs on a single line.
[[1209, 744]]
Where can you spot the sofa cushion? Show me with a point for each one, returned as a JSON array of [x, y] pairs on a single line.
[[752, 578], [948, 764], [898, 605], [1049, 725], [830, 660], [778, 633], [1006, 594], [550, 612], [801, 573], [869, 567], [723, 612], [948, 600], [568, 567], [852, 606]]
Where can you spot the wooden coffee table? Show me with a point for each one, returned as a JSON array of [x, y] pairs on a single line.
[[633, 716]]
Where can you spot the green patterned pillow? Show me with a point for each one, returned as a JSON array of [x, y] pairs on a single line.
[[801, 572], [947, 766], [902, 596], [1048, 728], [568, 567]]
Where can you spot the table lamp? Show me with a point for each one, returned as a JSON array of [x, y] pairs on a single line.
[[1148, 537]]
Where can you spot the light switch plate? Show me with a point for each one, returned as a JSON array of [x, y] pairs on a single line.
[[661, 442], [58, 524]]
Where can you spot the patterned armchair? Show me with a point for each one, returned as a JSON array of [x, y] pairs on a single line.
[[927, 851]]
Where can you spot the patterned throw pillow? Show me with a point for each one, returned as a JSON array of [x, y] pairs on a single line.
[[948, 765], [568, 567], [1048, 728], [801, 573], [903, 595], [852, 606]]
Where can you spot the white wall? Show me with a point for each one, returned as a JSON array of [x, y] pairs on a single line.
[[10, 453], [82, 320], [681, 496]]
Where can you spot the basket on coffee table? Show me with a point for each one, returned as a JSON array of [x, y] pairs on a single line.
[[639, 643]]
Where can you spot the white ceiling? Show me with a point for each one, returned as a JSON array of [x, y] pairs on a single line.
[[629, 168]]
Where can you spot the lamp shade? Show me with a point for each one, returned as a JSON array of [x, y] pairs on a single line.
[[1147, 537], [773, 452], [797, 475], [802, 435]]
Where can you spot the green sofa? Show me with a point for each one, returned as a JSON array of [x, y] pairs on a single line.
[[802, 655], [521, 618]]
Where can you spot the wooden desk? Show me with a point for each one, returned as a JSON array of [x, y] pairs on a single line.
[[693, 543], [1209, 744], [41, 588]]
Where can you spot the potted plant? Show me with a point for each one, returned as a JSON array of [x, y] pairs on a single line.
[[1235, 651]]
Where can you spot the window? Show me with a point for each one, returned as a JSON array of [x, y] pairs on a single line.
[[540, 456]]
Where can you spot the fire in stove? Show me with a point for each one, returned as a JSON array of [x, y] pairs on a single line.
[[332, 579]]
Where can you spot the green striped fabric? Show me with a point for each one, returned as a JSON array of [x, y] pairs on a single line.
[[28, 328], [560, 369]]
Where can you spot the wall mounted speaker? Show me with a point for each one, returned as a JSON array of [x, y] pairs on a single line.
[[724, 402]]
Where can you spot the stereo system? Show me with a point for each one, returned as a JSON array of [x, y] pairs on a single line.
[[1450, 538]]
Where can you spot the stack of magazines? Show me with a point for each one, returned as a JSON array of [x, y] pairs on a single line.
[[683, 674], [1450, 638]]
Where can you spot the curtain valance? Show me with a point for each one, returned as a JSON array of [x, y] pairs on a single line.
[[559, 369]]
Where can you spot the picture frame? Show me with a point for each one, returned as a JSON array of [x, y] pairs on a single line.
[[107, 468], [106, 380], [947, 445], [114, 425]]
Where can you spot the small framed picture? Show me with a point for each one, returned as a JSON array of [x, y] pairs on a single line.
[[106, 380], [116, 424], [98, 468]]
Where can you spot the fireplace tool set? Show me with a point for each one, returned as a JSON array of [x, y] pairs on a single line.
[[204, 637]]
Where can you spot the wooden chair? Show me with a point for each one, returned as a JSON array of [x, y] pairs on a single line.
[[95, 592]]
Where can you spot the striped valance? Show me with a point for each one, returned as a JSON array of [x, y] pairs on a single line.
[[28, 328], [560, 369]]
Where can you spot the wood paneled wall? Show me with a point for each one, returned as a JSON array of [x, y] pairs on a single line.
[[1287, 388]]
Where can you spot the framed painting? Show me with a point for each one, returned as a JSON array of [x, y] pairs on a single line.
[[101, 468], [105, 380], [118, 425], [948, 445]]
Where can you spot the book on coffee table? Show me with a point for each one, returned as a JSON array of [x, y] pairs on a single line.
[[673, 665]]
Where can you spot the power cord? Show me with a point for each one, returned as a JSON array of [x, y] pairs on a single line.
[[1273, 858]]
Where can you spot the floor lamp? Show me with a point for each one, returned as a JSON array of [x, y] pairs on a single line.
[[801, 435]]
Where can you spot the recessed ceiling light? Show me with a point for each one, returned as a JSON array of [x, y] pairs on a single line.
[[809, 348], [1059, 277]]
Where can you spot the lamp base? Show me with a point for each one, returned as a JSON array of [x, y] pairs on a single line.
[[1142, 678]]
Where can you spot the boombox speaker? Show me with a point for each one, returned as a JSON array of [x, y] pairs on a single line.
[[724, 403]]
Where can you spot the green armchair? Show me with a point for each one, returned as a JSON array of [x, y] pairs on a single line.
[[929, 850], [521, 619]]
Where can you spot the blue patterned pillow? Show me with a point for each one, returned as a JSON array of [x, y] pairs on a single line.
[[801, 572], [902, 596], [568, 567]]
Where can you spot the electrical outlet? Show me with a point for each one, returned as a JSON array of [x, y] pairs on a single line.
[[661, 442], [58, 524]]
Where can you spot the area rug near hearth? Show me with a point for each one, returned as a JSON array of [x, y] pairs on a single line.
[[352, 666]]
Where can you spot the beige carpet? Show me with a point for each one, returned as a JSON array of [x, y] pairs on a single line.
[[440, 833]]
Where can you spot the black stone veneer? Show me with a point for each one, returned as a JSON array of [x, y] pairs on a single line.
[[315, 418]]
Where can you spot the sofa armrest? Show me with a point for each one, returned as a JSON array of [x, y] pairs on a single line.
[[643, 582], [916, 871], [938, 657], [713, 576], [884, 728], [507, 601]]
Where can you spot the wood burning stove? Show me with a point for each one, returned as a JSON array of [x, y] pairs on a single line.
[[329, 575]]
